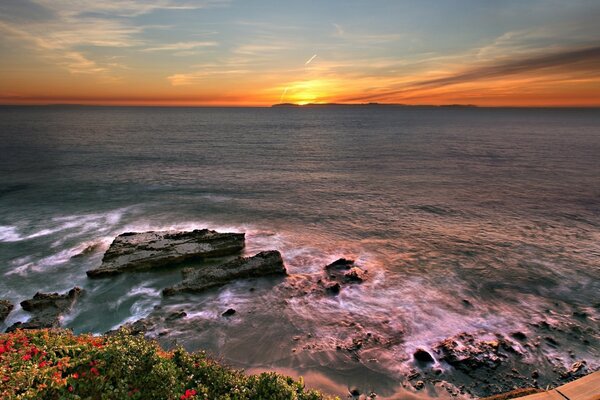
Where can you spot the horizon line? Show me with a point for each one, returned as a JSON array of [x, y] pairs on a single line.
[[294, 105]]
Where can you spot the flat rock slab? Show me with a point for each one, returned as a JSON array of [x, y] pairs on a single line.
[[5, 309], [146, 250], [264, 263], [46, 309]]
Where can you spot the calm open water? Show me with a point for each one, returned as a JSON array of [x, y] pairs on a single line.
[[500, 207]]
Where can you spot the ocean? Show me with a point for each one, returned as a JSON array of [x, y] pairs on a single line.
[[477, 220]]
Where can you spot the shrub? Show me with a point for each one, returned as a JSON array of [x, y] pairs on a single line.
[[56, 364]]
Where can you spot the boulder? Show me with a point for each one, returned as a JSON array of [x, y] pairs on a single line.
[[199, 279], [5, 308], [423, 356], [229, 312], [46, 309], [340, 264], [146, 250], [334, 288]]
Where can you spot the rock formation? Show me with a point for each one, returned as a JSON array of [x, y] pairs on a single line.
[[138, 251], [46, 309], [199, 279]]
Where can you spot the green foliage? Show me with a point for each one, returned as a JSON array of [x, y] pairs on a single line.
[[55, 364]]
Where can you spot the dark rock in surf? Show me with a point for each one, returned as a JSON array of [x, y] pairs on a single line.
[[345, 271], [355, 275], [340, 264], [139, 327], [5, 308], [176, 315], [229, 312], [265, 263], [146, 250], [423, 356], [333, 288], [46, 309]]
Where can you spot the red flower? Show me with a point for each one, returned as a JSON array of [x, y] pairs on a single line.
[[75, 375], [26, 357], [188, 394], [70, 388], [94, 371], [42, 364]]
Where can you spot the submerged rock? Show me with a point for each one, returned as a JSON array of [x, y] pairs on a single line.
[[5, 308], [138, 251], [46, 309], [264, 263]]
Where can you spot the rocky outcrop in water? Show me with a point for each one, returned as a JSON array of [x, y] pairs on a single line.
[[139, 251], [264, 263], [5, 309], [342, 271], [46, 309], [466, 353]]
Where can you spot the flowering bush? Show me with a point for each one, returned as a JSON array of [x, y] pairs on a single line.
[[56, 364]]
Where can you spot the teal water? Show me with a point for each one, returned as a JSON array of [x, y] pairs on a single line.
[[500, 207]]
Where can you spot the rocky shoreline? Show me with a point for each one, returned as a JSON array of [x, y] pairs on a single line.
[[471, 363]]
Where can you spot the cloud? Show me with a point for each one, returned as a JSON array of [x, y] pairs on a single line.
[[126, 8], [60, 29], [201, 76], [569, 61], [310, 59], [181, 46]]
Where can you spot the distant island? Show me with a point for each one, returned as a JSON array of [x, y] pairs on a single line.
[[373, 105]]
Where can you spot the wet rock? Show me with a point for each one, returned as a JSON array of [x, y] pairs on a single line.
[[176, 315], [334, 288], [355, 275], [146, 250], [423, 356], [345, 271], [229, 312], [580, 314], [354, 392], [467, 353], [265, 263], [419, 385], [576, 370], [139, 327], [5, 308], [46, 309], [340, 264]]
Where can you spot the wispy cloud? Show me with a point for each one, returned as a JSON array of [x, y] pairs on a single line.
[[310, 59], [201, 76], [583, 60], [179, 46], [69, 26]]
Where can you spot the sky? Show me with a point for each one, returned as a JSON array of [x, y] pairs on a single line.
[[261, 52]]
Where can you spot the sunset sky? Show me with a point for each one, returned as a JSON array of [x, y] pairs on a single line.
[[258, 52]]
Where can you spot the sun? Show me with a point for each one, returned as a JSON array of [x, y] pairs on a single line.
[[307, 92]]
